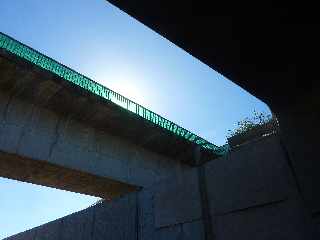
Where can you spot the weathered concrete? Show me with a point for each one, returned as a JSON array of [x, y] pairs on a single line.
[[43, 118], [171, 223], [179, 201], [267, 50], [251, 194], [252, 175]]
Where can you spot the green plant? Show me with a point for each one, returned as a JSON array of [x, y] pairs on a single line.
[[257, 120]]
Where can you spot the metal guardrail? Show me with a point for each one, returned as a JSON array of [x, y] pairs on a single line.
[[78, 79]]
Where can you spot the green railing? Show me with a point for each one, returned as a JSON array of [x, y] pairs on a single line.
[[68, 74]]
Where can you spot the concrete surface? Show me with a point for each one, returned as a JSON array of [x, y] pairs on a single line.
[[44, 118], [179, 201], [111, 220], [268, 49], [252, 194]]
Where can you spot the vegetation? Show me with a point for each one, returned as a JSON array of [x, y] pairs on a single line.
[[256, 121]]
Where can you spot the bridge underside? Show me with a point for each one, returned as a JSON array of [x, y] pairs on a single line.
[[270, 49], [257, 191]]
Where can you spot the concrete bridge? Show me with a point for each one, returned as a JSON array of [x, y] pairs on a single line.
[[57, 134], [269, 50]]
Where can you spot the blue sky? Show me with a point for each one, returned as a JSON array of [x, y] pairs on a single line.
[[98, 40]]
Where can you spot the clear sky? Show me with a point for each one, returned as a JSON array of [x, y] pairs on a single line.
[[98, 40]]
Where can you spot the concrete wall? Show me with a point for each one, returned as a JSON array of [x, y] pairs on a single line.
[[249, 194], [110, 220], [171, 209], [130, 217], [300, 132], [253, 195]]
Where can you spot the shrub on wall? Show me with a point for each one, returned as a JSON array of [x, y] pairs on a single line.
[[258, 120]]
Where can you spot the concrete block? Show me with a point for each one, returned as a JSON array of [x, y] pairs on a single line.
[[78, 226], [283, 220], [193, 230], [178, 200], [252, 175]]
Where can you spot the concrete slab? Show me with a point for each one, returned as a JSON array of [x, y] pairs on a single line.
[[177, 200], [252, 175]]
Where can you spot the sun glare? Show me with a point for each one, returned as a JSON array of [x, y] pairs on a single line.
[[129, 90], [125, 83]]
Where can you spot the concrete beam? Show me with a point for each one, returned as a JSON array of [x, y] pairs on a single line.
[[67, 132], [46, 174]]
